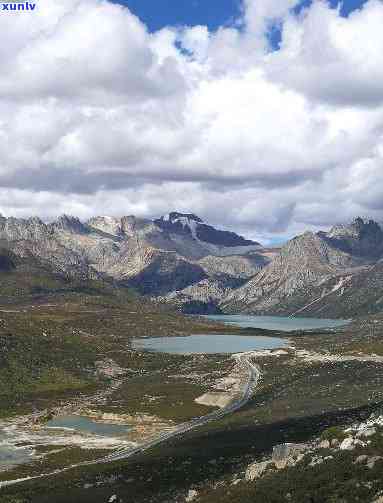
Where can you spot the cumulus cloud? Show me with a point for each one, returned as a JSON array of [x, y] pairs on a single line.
[[333, 59], [99, 116]]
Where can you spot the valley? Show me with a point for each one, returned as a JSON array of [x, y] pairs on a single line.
[[322, 379], [191, 251], [108, 389], [180, 261]]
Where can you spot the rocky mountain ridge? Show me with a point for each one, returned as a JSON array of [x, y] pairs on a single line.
[[313, 272], [189, 224], [181, 260], [155, 257]]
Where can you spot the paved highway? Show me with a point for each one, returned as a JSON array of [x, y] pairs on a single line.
[[254, 375], [248, 388]]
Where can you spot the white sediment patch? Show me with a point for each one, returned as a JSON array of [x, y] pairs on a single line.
[[309, 356], [57, 436], [228, 387], [263, 353], [214, 399], [22, 434], [19, 437], [127, 419]]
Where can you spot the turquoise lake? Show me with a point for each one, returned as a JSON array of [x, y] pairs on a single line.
[[11, 456], [208, 344], [87, 425], [285, 324], [226, 343]]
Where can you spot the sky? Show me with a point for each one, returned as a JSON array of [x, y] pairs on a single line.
[[262, 116], [161, 13], [212, 13]]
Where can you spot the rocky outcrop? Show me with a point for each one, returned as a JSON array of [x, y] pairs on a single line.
[[322, 450], [283, 455], [208, 292], [223, 275], [154, 257], [17, 229], [184, 261], [313, 269], [256, 470], [355, 292], [192, 495], [360, 238], [303, 261], [189, 224], [236, 266], [70, 224], [165, 272]]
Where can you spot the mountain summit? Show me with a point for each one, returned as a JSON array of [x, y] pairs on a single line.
[[317, 274], [180, 259], [362, 238], [156, 257], [190, 224]]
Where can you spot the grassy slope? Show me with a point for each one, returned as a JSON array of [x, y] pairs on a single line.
[[51, 349], [90, 321], [295, 402], [52, 330]]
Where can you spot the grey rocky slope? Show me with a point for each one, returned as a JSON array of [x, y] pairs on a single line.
[[346, 295], [224, 274], [155, 257], [33, 239], [181, 260], [337, 273]]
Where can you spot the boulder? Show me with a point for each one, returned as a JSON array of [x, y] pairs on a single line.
[[285, 454], [366, 432], [256, 470], [350, 443], [191, 496], [361, 459], [316, 460]]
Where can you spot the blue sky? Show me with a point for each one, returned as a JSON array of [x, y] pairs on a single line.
[[159, 13], [348, 6], [214, 13]]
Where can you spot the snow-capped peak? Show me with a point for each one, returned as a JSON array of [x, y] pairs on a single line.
[[175, 216]]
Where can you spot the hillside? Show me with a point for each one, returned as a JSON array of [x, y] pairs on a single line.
[[180, 260], [325, 274], [155, 257], [55, 331]]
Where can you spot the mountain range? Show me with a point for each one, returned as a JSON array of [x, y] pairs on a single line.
[[181, 260]]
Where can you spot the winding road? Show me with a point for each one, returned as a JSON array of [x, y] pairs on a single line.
[[254, 375], [248, 389]]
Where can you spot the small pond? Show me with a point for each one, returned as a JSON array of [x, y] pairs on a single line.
[[282, 323], [87, 425], [12, 456], [208, 344]]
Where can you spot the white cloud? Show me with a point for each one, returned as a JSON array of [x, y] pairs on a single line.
[[333, 59], [97, 115]]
